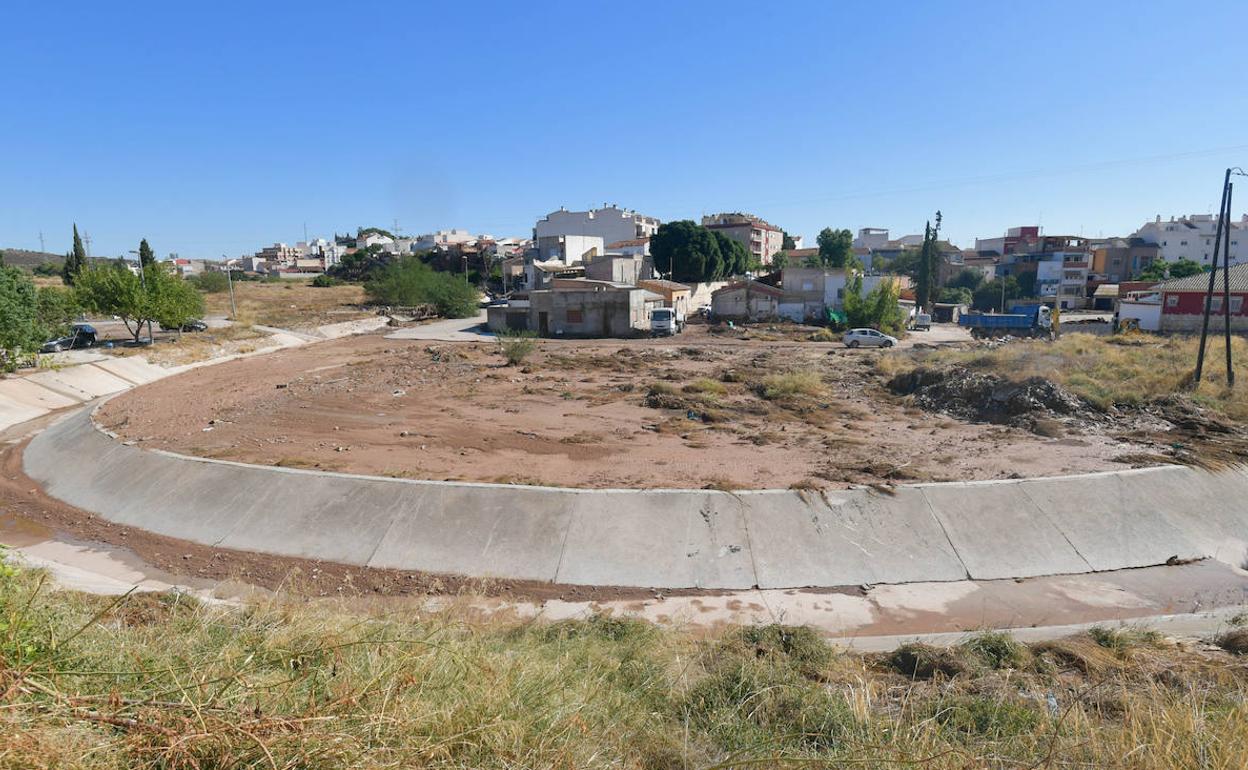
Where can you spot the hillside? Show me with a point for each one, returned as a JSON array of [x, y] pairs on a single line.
[[29, 259]]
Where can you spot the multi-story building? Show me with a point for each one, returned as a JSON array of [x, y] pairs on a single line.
[[1191, 238], [441, 238], [280, 253], [610, 223], [1120, 259], [762, 238], [871, 238]]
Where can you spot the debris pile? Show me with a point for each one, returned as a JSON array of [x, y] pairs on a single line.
[[970, 395]]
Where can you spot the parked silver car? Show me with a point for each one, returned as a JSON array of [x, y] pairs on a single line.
[[867, 338]]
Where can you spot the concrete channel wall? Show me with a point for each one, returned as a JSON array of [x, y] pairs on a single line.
[[655, 538]]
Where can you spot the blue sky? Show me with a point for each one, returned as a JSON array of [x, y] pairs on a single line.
[[217, 128]]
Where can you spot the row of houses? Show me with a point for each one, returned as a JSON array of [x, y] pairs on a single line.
[[1178, 305], [800, 294]]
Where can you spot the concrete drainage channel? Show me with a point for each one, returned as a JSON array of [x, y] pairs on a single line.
[[769, 539]]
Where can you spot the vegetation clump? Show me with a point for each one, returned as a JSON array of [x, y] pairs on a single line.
[[165, 681], [516, 346]]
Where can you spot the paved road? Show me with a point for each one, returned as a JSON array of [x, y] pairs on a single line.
[[451, 330]]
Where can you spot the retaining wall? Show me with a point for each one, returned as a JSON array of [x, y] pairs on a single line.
[[655, 538]]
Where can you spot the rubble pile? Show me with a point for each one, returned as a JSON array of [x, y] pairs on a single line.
[[980, 397]]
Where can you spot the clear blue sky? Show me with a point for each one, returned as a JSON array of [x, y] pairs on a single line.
[[217, 128]]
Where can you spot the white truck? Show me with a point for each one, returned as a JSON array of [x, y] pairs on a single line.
[[666, 322]]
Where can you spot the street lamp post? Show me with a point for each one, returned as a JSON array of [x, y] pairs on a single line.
[[229, 278]]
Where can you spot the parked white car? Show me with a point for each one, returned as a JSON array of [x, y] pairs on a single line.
[[867, 338]]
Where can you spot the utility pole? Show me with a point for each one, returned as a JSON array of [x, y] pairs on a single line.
[[229, 279], [1221, 243], [86, 239], [42, 248]]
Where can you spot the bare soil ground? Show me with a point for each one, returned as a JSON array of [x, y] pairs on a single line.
[[290, 304], [725, 414]]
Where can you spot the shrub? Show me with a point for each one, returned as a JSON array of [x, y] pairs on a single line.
[[922, 661], [707, 386], [517, 346], [324, 281], [996, 650], [1234, 642], [792, 384], [985, 717], [211, 282], [409, 282], [824, 334], [1121, 640]]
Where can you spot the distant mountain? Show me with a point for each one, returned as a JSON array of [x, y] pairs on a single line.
[[29, 259]]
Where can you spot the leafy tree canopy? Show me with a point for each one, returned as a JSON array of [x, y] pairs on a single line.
[[966, 278], [1160, 271], [879, 309], [146, 255], [409, 282], [360, 265], [836, 248], [75, 260], [988, 295], [20, 327], [363, 231], [158, 296], [957, 295], [693, 253]]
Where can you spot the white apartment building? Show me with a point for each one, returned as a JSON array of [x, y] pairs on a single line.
[[871, 238], [1191, 237], [431, 241], [610, 223]]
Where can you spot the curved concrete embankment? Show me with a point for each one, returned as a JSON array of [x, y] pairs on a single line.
[[658, 538]]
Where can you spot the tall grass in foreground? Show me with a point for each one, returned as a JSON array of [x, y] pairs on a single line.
[[1123, 369], [166, 682]]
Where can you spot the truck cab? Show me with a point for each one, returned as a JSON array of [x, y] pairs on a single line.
[[666, 322]]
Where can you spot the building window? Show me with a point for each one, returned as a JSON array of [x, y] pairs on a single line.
[[574, 316], [1216, 305], [1182, 243], [1237, 304], [1172, 300]]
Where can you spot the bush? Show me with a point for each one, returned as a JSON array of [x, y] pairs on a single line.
[[211, 282], [410, 282], [324, 281], [791, 384], [47, 269], [707, 386], [517, 346], [996, 650], [922, 661]]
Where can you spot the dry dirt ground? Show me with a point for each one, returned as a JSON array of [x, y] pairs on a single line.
[[689, 413]]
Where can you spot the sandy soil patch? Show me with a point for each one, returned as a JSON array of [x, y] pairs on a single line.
[[595, 414]]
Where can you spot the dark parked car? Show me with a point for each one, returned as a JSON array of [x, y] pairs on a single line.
[[81, 336], [189, 326]]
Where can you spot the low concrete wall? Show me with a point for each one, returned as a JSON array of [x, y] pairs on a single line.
[[655, 538]]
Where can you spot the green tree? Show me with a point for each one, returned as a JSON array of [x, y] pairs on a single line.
[[146, 255], [989, 295], [966, 278], [157, 296], [956, 295], [409, 282], [75, 260], [21, 330], [836, 248], [1026, 284], [929, 266], [360, 265], [690, 252], [735, 257], [788, 244], [1160, 271], [56, 307], [211, 282], [879, 309]]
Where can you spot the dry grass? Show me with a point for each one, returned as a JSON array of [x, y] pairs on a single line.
[[198, 346], [167, 682], [1125, 369], [289, 304], [789, 384]]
